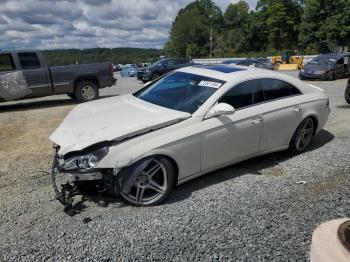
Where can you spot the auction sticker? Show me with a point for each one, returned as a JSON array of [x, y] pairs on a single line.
[[210, 84]]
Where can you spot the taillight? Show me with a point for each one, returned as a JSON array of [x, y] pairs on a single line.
[[111, 69]]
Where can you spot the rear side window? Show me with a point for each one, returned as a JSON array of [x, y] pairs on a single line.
[[277, 89], [6, 62], [29, 60], [243, 95]]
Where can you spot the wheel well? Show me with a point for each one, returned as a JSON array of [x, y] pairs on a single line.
[[314, 119], [176, 167], [87, 78]]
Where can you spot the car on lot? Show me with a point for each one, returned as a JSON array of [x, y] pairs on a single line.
[[26, 74], [347, 92], [264, 63], [129, 71], [232, 61], [326, 67], [185, 124], [162, 67]]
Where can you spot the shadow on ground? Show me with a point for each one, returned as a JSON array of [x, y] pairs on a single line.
[[251, 166]]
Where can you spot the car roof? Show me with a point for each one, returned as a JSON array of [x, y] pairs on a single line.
[[333, 55], [221, 71]]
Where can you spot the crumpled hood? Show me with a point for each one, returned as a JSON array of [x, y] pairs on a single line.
[[110, 119]]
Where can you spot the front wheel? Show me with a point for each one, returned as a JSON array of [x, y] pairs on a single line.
[[86, 91], [151, 184], [347, 94], [155, 76], [277, 65], [302, 136]]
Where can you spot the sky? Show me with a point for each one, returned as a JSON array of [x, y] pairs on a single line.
[[57, 24]]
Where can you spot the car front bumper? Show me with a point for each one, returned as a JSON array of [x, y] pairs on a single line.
[[309, 76]]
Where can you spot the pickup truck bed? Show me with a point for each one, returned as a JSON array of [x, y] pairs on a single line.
[[25, 74]]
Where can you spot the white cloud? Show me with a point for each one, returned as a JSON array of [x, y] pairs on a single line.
[[51, 24]]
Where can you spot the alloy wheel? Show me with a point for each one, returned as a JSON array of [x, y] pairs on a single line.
[[88, 92], [150, 185], [304, 134]]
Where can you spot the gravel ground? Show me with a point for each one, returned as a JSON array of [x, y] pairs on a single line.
[[253, 211]]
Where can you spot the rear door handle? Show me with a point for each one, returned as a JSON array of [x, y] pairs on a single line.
[[257, 120]]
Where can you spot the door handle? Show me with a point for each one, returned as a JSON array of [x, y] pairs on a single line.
[[257, 120], [296, 109]]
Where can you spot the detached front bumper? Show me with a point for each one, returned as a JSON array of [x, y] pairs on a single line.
[[65, 192]]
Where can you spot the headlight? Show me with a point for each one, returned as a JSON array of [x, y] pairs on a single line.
[[302, 70], [84, 162], [147, 70]]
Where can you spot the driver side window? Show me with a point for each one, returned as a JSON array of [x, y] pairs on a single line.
[[243, 95]]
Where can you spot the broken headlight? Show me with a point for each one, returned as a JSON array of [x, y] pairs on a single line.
[[84, 162]]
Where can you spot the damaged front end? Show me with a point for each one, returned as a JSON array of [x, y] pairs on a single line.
[[80, 173]]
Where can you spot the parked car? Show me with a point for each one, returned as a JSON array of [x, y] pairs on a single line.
[[162, 67], [25, 74], [347, 92], [264, 63], [183, 125], [326, 67], [232, 61], [129, 70]]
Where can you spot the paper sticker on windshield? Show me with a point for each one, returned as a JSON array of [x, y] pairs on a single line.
[[210, 84]]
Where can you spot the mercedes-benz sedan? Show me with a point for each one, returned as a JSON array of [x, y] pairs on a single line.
[[185, 124]]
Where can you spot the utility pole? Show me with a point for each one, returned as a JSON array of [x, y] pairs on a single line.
[[211, 42]]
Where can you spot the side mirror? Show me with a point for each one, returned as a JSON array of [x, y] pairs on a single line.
[[220, 109]]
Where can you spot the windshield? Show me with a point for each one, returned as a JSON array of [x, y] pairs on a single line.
[[180, 91], [159, 63], [323, 61]]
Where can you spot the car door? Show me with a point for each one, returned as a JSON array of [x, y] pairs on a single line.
[[35, 73], [231, 138], [281, 113]]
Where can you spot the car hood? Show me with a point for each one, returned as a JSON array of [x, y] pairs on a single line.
[[111, 119]]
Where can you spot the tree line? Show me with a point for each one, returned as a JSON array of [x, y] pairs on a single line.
[[309, 26], [96, 55]]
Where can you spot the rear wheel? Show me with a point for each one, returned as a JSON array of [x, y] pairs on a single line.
[[152, 184], [86, 91], [302, 136]]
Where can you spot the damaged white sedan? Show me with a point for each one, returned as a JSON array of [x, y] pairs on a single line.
[[183, 125]]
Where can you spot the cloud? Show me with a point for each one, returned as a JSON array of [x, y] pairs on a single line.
[[52, 24]]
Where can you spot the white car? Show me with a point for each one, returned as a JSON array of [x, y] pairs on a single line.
[[187, 123]]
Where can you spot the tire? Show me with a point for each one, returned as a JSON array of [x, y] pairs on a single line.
[[72, 95], [332, 77], [302, 136], [155, 76], [277, 65], [347, 94], [152, 179], [86, 91]]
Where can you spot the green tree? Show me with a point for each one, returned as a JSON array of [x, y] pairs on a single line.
[[190, 32], [325, 25], [282, 21], [236, 23]]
